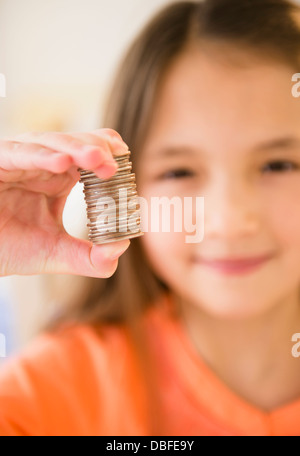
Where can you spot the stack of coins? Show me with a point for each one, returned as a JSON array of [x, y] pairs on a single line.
[[112, 204]]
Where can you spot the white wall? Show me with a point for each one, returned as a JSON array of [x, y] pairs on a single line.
[[58, 57]]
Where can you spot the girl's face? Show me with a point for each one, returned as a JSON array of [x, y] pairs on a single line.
[[230, 133]]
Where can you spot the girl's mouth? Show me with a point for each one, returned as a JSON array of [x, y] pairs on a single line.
[[236, 266]]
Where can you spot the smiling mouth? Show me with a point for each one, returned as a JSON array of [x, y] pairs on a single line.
[[235, 266]]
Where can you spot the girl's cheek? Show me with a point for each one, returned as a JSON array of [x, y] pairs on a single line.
[[281, 206], [161, 242], [169, 214], [279, 202], [160, 255]]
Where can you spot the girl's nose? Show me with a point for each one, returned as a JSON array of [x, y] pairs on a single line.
[[231, 211]]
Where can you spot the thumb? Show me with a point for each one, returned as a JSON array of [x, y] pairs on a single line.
[[80, 257]]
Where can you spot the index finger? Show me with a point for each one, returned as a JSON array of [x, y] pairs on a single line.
[[92, 150]]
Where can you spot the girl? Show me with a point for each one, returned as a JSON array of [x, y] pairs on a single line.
[[182, 338]]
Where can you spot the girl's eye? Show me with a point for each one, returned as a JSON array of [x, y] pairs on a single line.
[[280, 166], [179, 173]]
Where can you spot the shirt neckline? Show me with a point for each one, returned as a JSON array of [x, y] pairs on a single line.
[[204, 388]]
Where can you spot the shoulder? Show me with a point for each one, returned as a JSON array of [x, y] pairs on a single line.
[[71, 345], [67, 382], [45, 388], [72, 353]]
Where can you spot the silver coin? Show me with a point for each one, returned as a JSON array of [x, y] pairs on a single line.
[[108, 224]]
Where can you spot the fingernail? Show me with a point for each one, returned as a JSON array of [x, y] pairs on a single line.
[[107, 169], [119, 142], [111, 252]]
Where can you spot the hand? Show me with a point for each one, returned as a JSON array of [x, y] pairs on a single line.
[[37, 173]]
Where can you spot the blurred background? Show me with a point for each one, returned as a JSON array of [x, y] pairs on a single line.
[[59, 59]]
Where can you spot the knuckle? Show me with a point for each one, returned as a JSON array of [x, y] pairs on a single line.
[[74, 143], [95, 140], [57, 137]]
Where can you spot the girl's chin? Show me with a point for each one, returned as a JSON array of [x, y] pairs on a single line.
[[232, 311], [229, 301]]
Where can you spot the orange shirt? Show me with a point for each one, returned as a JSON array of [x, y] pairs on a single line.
[[79, 382]]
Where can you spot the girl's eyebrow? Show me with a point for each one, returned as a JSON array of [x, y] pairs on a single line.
[[170, 151], [265, 146], [278, 143]]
